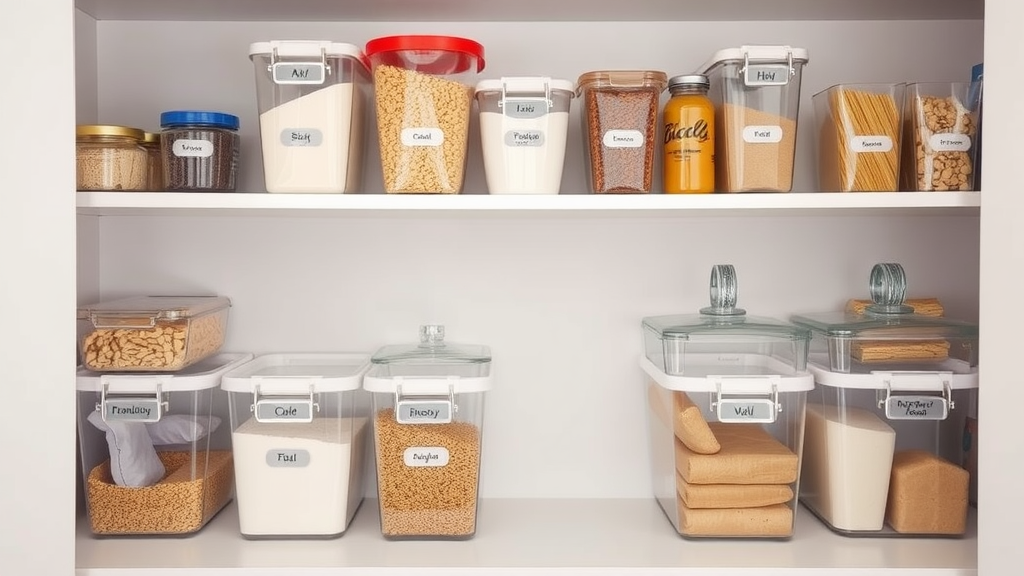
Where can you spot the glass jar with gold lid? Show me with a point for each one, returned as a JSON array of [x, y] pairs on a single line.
[[110, 157], [154, 161]]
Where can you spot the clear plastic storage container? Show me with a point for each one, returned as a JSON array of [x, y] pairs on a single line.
[[941, 134], [200, 150], [726, 395], [883, 452], [313, 99], [523, 126], [756, 92], [299, 434], [155, 457], [858, 137], [151, 333], [428, 404], [423, 86], [619, 110]]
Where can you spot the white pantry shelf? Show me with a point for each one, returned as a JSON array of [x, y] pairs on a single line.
[[543, 536], [531, 10], [562, 205]]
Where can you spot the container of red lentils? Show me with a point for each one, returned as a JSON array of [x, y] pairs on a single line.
[[428, 404], [424, 92]]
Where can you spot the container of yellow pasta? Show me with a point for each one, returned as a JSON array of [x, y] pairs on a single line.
[[858, 137]]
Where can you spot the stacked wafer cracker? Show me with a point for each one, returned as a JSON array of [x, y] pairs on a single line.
[[732, 479], [920, 350]]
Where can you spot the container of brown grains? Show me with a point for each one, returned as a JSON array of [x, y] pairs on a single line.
[[200, 150], [155, 455], [110, 158], [151, 333], [424, 92], [756, 93], [940, 131], [428, 401], [620, 117]]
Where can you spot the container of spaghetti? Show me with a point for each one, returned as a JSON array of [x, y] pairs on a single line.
[[858, 137]]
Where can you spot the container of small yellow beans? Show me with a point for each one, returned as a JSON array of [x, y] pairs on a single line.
[[424, 93], [428, 405]]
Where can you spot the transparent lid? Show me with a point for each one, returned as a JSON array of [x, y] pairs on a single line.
[[722, 320], [887, 316], [153, 307], [432, 351]]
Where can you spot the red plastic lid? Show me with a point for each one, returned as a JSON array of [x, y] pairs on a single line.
[[455, 55]]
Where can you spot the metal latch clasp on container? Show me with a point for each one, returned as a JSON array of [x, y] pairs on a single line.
[[746, 398], [767, 74], [132, 406], [522, 106], [426, 404], [298, 72], [897, 395], [297, 408]]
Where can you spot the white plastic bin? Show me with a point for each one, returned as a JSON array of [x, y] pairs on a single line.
[[523, 126], [155, 455], [313, 99], [299, 432]]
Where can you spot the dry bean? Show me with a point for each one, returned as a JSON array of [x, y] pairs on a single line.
[[180, 503]]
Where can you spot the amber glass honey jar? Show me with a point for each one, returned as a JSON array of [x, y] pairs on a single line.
[[689, 136]]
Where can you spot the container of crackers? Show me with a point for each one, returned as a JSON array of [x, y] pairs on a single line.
[[895, 381], [151, 333], [726, 393]]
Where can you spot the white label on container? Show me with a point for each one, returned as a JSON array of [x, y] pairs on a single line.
[[623, 139], [871, 144], [520, 138], [423, 411], [299, 73], [766, 74], [301, 137], [426, 456], [298, 410], [524, 108], [131, 410], [285, 458], [192, 148], [762, 134], [916, 408], [422, 136], [746, 410], [946, 142]]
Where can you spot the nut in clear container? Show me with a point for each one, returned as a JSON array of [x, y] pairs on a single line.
[[940, 137]]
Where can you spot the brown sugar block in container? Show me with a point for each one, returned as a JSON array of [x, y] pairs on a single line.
[[927, 494], [763, 521], [700, 496], [749, 455], [690, 426], [181, 503]]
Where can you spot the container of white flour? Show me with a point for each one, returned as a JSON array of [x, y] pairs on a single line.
[[312, 98], [300, 431], [523, 125]]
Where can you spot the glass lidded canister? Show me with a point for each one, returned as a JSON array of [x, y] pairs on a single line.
[[109, 157], [154, 161]]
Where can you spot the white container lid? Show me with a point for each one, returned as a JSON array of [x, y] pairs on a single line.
[[753, 373], [306, 48], [199, 376], [759, 53], [524, 84], [298, 373], [958, 374]]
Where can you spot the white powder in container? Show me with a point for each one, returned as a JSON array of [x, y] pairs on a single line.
[[314, 143], [523, 155], [298, 479]]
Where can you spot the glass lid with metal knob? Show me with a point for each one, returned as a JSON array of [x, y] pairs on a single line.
[[722, 329], [888, 332], [432, 356]]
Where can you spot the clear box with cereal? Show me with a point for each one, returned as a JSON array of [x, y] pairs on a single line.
[[756, 92], [155, 456], [940, 137], [151, 333], [423, 86], [725, 396], [895, 383], [428, 405]]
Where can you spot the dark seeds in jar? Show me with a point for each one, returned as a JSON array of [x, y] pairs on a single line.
[[188, 163], [615, 115]]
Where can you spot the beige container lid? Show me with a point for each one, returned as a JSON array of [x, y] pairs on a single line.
[[622, 79]]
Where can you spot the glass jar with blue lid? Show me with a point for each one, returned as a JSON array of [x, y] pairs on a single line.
[[200, 150]]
